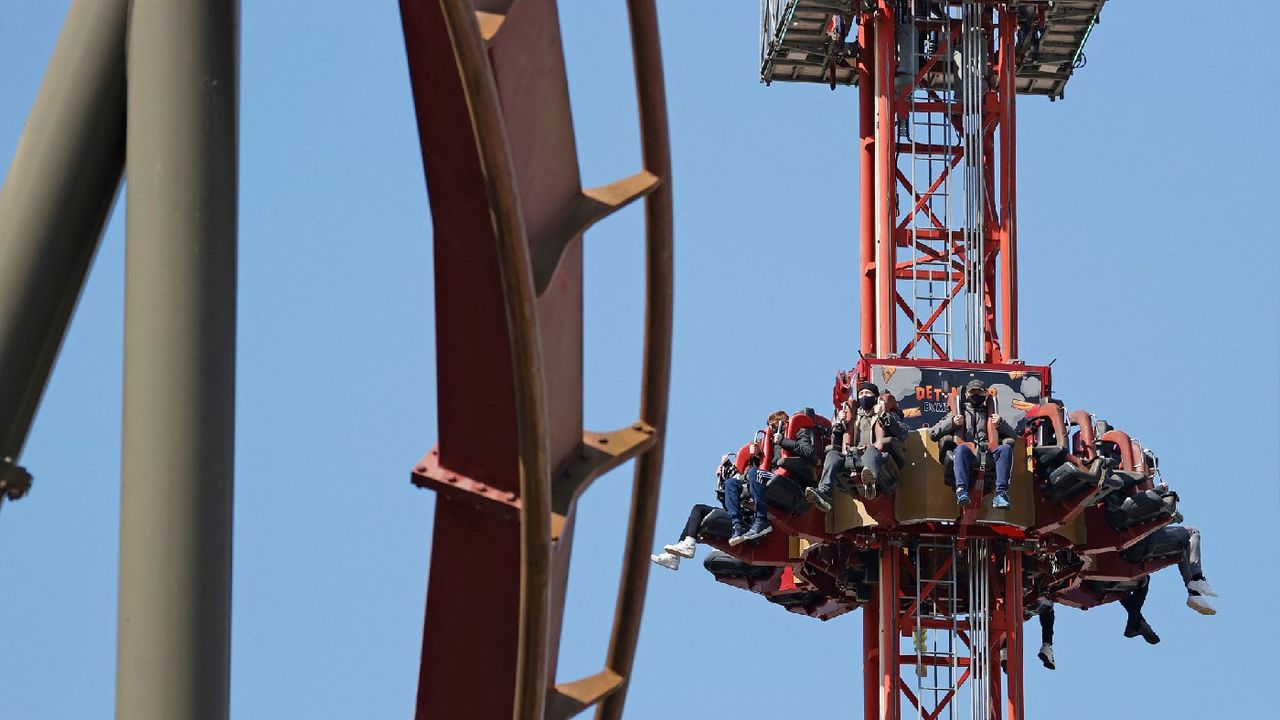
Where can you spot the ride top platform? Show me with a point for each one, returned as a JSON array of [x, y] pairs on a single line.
[[815, 41]]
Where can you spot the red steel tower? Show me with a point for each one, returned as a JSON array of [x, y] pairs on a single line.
[[937, 84]]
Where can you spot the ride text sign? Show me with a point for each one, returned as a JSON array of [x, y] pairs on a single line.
[[926, 394]]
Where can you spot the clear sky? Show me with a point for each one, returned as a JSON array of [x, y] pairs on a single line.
[[1148, 260]]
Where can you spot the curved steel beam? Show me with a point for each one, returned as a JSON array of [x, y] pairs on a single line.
[[655, 138], [522, 328]]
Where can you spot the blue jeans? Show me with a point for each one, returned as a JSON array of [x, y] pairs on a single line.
[[733, 495], [965, 459]]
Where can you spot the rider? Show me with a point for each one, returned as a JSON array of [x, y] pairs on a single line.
[[753, 478], [670, 556], [802, 448], [972, 425], [1198, 588], [798, 466], [871, 429]]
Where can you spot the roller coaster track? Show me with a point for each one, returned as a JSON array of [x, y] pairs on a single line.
[[509, 215]]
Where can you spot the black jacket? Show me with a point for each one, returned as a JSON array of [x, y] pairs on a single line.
[[803, 446]]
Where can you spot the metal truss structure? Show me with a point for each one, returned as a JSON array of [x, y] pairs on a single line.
[[938, 167], [939, 242]]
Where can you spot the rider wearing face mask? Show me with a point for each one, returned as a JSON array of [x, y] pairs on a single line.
[[975, 424], [868, 430]]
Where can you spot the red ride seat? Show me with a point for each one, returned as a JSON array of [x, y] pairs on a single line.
[[785, 484], [1139, 501], [782, 493]]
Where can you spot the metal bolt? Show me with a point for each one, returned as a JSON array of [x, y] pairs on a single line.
[[511, 495], [481, 487], [420, 469], [451, 478]]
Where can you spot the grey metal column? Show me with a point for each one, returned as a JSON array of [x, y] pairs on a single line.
[[53, 205], [173, 657]]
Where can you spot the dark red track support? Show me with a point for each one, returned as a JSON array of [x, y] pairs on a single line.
[[509, 214]]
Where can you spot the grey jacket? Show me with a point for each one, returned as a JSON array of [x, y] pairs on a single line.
[[974, 430]]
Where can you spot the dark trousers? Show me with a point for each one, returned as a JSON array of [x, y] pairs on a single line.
[[733, 495], [1133, 602], [837, 469], [696, 515], [966, 460], [1046, 625]]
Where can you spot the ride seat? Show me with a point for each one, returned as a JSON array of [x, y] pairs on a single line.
[[804, 471], [1048, 432], [784, 494], [723, 565], [1142, 503], [716, 525], [1139, 508], [1069, 480], [1163, 543]]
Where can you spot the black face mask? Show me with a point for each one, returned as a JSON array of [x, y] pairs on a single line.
[[978, 400], [867, 402]]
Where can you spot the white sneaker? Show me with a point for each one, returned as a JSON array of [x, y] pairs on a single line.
[[666, 560], [685, 548], [1046, 656], [1200, 604], [1203, 587]]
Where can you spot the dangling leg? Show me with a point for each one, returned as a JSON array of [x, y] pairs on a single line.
[[962, 468], [820, 496], [733, 505], [1198, 589], [1046, 637], [761, 526], [1004, 468], [1132, 603]]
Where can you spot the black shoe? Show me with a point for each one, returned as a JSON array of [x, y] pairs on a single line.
[[759, 529], [819, 499], [1134, 629], [738, 536]]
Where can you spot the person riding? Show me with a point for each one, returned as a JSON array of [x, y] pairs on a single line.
[[1042, 608], [802, 449], [1189, 566], [970, 430], [1198, 588], [869, 430], [734, 496], [686, 547]]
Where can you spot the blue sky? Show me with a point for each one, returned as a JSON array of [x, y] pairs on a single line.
[[1147, 271]]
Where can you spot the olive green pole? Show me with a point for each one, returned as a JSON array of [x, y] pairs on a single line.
[[56, 198], [174, 623]]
